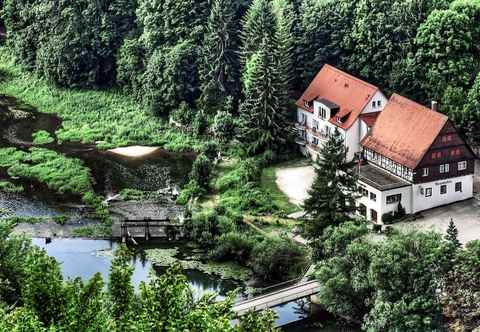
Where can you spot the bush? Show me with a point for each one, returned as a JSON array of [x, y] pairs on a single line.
[[183, 114], [201, 171], [191, 190], [211, 150], [224, 126], [234, 246], [279, 259], [203, 227], [246, 171], [200, 124], [42, 137], [248, 198]]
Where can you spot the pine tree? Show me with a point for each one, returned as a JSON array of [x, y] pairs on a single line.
[[262, 127], [452, 234], [258, 26], [219, 74], [333, 193]]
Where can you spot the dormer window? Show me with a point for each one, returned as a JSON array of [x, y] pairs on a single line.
[[339, 120], [305, 103]]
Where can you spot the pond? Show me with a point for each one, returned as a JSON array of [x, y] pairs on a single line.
[[83, 258]]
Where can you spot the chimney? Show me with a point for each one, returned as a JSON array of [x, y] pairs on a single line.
[[434, 106]]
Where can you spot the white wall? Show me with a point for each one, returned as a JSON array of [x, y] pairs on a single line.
[[421, 202], [380, 205], [352, 139], [379, 96]]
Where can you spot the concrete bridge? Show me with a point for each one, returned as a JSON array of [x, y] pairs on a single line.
[[298, 291]]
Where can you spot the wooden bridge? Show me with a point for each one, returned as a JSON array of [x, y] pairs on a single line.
[[298, 291], [146, 229]]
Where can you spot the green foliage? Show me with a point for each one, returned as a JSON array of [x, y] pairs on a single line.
[[72, 44], [203, 227], [42, 287], [64, 175], [219, 72], [279, 259], [224, 123], [452, 234], [461, 289], [109, 118], [44, 302], [183, 114], [10, 187], [120, 284], [252, 323], [447, 56], [234, 246], [201, 171], [334, 189], [42, 137], [390, 285], [189, 191]]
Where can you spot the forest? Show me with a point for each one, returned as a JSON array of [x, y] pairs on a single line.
[[220, 77], [199, 61]]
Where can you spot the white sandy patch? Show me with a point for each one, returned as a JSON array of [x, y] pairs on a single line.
[[295, 182], [135, 151]]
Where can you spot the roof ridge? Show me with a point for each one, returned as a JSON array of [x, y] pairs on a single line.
[[423, 107], [358, 80]]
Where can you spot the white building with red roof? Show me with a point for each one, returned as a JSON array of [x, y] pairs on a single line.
[[414, 159], [333, 100]]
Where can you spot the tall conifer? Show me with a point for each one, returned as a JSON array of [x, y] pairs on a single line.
[[220, 73], [332, 196]]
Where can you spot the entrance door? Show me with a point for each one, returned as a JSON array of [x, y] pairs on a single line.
[[374, 215]]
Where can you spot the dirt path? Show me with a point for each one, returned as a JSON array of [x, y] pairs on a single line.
[[295, 182]]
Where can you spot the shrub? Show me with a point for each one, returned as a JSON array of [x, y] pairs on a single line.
[[246, 171], [189, 191], [248, 198], [201, 170], [234, 246], [200, 124], [224, 126], [203, 227], [10, 187], [183, 114], [211, 150], [42, 137], [279, 259]]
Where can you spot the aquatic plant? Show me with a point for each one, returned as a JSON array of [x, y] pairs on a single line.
[[42, 137]]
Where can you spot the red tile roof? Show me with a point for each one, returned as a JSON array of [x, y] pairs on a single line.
[[404, 131], [370, 118], [349, 93]]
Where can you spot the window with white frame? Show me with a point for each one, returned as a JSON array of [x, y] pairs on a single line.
[[462, 165], [428, 192], [315, 125], [445, 168], [373, 197], [425, 172], [379, 103], [374, 104]]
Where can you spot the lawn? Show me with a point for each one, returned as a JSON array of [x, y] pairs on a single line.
[[109, 118], [269, 184]]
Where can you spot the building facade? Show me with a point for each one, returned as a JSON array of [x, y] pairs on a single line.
[[336, 100], [414, 158]]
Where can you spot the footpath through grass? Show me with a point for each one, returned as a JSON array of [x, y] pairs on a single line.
[[109, 118]]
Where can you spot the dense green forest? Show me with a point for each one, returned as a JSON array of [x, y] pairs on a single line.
[[197, 60], [220, 77]]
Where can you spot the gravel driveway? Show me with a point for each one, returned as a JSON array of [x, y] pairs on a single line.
[[466, 216], [295, 182]]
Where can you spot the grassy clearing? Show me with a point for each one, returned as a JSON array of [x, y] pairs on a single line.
[[269, 184], [108, 118]]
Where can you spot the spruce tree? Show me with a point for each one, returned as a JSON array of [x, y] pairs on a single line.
[[219, 73], [333, 193], [452, 234], [262, 127], [258, 26]]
